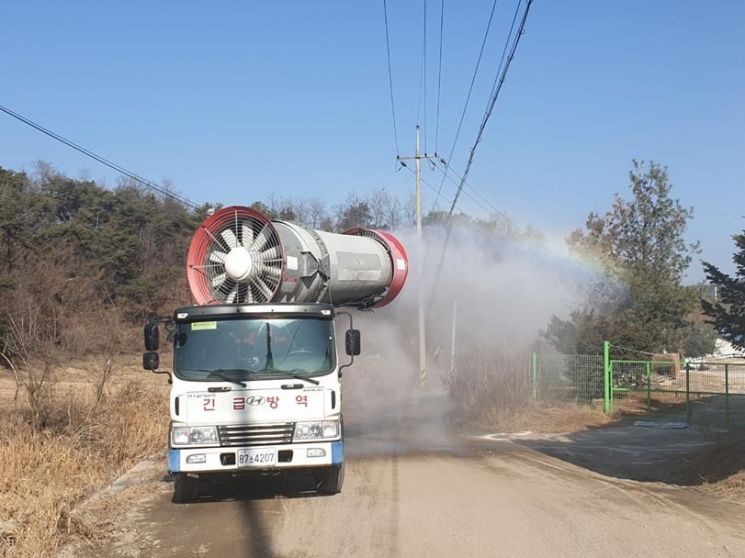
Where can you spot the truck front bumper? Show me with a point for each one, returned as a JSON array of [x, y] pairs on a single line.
[[209, 460]]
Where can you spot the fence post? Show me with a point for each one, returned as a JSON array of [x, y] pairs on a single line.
[[688, 392], [726, 393], [534, 377], [607, 379], [649, 386]]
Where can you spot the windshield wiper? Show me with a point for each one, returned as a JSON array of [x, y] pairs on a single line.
[[294, 374], [220, 373]]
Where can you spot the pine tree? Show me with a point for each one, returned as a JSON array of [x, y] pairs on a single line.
[[640, 243], [727, 312]]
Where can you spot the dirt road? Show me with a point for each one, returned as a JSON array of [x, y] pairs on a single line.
[[510, 503], [464, 497]]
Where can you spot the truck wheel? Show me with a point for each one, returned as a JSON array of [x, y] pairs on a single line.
[[332, 480], [185, 489]]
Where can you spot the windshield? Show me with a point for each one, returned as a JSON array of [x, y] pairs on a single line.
[[246, 349]]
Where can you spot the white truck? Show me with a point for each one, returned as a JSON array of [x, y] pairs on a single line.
[[256, 378]]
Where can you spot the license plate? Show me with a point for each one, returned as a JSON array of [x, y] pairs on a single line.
[[259, 457]]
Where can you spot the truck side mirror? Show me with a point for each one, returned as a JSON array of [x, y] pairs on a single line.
[[150, 360], [152, 336], [353, 342]]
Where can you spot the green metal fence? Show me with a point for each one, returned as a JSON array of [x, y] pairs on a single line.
[[707, 393], [567, 378]]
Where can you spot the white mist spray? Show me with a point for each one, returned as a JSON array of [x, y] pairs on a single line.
[[506, 291]]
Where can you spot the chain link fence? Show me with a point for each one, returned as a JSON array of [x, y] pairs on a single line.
[[710, 393], [567, 378]]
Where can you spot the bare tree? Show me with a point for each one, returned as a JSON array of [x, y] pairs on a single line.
[[316, 212], [43, 172], [396, 213], [409, 210], [300, 209], [379, 202]]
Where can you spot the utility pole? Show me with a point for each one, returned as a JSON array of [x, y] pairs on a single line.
[[422, 317], [418, 174], [452, 339]]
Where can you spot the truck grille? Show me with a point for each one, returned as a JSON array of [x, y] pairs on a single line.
[[256, 435]]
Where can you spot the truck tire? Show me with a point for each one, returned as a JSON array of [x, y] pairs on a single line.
[[332, 480], [185, 489]]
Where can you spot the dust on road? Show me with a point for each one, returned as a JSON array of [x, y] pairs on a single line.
[[510, 503], [426, 497]]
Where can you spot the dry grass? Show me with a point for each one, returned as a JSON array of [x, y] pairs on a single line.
[[721, 467], [536, 417], [83, 446], [492, 390], [732, 488], [490, 379]]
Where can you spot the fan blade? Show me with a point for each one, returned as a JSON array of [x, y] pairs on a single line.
[[272, 272], [261, 240], [231, 297], [217, 257], [272, 253], [229, 237], [247, 236], [218, 280], [265, 290], [235, 214]]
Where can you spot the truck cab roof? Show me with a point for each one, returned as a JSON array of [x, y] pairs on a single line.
[[285, 310]]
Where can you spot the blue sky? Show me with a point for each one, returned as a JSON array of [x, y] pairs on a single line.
[[234, 101]]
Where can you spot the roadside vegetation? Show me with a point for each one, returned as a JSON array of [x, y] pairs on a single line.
[[727, 312], [95, 420], [83, 266], [639, 300]]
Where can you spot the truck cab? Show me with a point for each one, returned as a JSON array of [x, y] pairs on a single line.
[[255, 389]]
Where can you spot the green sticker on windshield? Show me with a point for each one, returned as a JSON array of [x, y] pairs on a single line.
[[200, 326]]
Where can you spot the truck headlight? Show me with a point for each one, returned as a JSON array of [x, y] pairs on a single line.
[[316, 430], [194, 436]]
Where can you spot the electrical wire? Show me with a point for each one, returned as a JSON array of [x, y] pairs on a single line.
[[467, 194], [632, 350], [468, 98], [390, 76], [424, 70], [88, 153], [501, 76], [439, 76], [423, 181], [456, 178]]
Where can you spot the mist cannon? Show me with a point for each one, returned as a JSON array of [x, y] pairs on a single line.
[[239, 256]]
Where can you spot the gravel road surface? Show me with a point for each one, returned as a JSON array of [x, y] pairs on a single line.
[[439, 495]]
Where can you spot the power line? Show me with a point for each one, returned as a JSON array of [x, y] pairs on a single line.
[[439, 75], [456, 178], [424, 69], [504, 51], [467, 193], [390, 76], [424, 181], [468, 98], [499, 82], [118, 168], [632, 350]]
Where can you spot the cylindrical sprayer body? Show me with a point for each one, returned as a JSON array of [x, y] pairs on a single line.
[[239, 256]]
